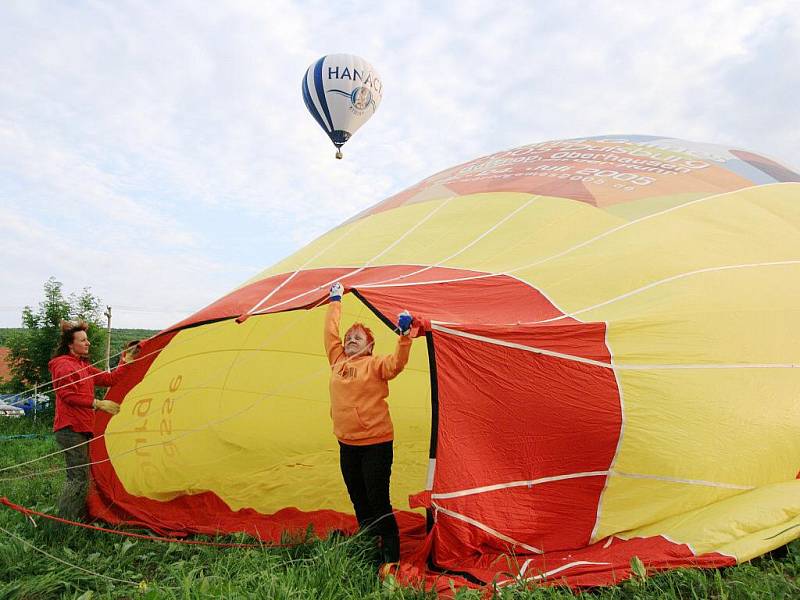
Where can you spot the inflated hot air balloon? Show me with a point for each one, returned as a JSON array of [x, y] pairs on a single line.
[[342, 92], [608, 368]]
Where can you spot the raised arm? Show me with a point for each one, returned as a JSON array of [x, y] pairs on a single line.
[[391, 365], [331, 337]]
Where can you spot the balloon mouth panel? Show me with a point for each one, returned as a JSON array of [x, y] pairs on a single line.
[[339, 137], [209, 418]]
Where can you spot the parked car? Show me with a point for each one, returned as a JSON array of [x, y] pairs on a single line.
[[34, 403], [7, 410], [28, 404]]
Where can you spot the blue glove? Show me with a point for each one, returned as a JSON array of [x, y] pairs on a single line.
[[336, 292], [404, 320]]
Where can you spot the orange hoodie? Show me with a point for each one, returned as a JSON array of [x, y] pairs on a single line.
[[359, 387]]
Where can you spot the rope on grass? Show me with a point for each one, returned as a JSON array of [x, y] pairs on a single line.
[[139, 584], [29, 511]]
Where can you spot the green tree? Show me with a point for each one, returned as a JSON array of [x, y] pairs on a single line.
[[32, 348]]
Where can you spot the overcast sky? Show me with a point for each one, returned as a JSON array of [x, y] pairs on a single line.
[[160, 152]]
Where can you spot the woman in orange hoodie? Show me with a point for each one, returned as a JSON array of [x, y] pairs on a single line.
[[361, 421]]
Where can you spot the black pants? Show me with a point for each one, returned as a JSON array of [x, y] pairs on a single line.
[[366, 471], [72, 502]]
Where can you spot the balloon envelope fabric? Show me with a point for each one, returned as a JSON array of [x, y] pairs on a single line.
[[607, 367]]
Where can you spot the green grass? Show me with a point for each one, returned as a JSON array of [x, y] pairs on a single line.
[[342, 568]]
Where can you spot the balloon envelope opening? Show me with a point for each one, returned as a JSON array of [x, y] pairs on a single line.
[[339, 137]]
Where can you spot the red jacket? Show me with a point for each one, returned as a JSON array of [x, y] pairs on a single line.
[[74, 380]]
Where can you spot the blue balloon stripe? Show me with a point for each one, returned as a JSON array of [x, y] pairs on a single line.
[[320, 89], [309, 101]]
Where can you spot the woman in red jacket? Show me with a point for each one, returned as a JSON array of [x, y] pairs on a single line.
[[74, 380], [361, 422]]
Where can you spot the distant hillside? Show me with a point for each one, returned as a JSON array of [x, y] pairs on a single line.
[[128, 334], [131, 334], [5, 332], [120, 337]]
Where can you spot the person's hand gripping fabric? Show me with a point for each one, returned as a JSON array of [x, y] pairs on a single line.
[[108, 406], [337, 290], [404, 320]]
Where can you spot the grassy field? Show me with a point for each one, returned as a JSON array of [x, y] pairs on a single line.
[[56, 561]]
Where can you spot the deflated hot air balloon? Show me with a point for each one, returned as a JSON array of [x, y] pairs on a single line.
[[608, 369], [342, 92]]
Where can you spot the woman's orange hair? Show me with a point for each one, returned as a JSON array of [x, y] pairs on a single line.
[[367, 331]]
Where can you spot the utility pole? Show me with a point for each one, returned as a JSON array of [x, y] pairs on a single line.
[[108, 337]]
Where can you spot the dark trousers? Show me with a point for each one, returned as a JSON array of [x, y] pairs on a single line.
[[366, 471], [72, 502]]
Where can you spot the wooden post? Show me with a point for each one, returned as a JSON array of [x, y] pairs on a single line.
[[108, 338]]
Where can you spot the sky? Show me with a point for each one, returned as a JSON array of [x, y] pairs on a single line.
[[161, 154]]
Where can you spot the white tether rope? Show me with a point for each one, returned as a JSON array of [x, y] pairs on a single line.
[[430, 214], [315, 289], [209, 376]]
